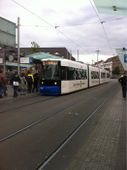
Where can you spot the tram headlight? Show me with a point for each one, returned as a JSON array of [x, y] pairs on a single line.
[[42, 82], [55, 83]]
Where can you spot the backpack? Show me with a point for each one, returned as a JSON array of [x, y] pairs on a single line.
[[29, 79]]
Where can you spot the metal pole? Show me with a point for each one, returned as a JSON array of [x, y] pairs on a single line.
[[4, 61], [70, 54], [125, 62], [18, 43], [97, 55], [77, 55]]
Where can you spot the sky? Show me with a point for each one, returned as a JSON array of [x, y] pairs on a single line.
[[74, 24]]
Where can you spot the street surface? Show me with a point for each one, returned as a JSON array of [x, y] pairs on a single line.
[[79, 131]]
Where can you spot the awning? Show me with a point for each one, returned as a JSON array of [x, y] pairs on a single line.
[[115, 7], [42, 55]]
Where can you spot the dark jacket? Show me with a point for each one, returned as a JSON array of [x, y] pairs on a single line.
[[15, 78], [123, 80], [2, 79]]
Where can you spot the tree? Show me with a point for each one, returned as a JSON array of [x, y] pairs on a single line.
[[116, 70], [34, 47]]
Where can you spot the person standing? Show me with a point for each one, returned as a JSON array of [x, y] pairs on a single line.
[[30, 81], [36, 82], [23, 84], [15, 82], [123, 82]]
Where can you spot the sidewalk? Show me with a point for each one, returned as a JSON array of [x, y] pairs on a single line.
[[10, 94], [106, 147]]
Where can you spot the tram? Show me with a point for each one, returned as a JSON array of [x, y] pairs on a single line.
[[62, 76]]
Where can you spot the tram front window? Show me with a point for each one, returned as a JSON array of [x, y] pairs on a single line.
[[50, 72]]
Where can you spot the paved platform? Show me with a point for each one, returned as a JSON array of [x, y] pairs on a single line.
[[106, 147], [10, 94]]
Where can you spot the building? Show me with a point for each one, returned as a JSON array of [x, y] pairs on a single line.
[[116, 63], [7, 40], [11, 60], [58, 51], [112, 64]]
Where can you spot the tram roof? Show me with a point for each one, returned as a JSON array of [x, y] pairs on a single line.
[[42, 55]]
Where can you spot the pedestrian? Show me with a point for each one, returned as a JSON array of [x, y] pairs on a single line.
[[123, 82], [5, 85], [30, 81], [15, 82], [23, 84], [2, 84], [36, 82]]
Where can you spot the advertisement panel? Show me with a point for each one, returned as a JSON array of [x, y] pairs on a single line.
[[122, 54], [26, 60], [7, 33], [1, 60]]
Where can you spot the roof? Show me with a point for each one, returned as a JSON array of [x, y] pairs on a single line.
[[57, 51], [117, 7], [41, 55]]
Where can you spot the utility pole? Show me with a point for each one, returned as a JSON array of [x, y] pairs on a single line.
[[3, 58], [125, 58], [97, 55], [18, 43], [77, 55]]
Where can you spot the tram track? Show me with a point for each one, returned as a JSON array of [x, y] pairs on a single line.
[[43, 136], [70, 136], [26, 104], [43, 99], [42, 118]]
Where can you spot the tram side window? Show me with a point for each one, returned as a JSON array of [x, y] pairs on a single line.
[[94, 75], [80, 74], [97, 75], [77, 74], [71, 73], [108, 75], [103, 75], [83, 74], [63, 73]]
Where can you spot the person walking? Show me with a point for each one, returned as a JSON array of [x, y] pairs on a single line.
[[2, 84], [15, 82], [123, 82]]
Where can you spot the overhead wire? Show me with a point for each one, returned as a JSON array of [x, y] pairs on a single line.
[[102, 24], [33, 13], [48, 23], [57, 27]]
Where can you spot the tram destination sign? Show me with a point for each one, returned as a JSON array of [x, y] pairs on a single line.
[[7, 33]]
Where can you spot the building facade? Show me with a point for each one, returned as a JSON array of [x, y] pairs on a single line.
[[116, 63], [10, 55]]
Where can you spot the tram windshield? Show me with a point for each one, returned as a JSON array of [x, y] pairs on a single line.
[[50, 70]]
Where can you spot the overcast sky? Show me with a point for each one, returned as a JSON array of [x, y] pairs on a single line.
[[73, 24]]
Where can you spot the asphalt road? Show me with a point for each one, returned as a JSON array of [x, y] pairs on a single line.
[[37, 130]]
